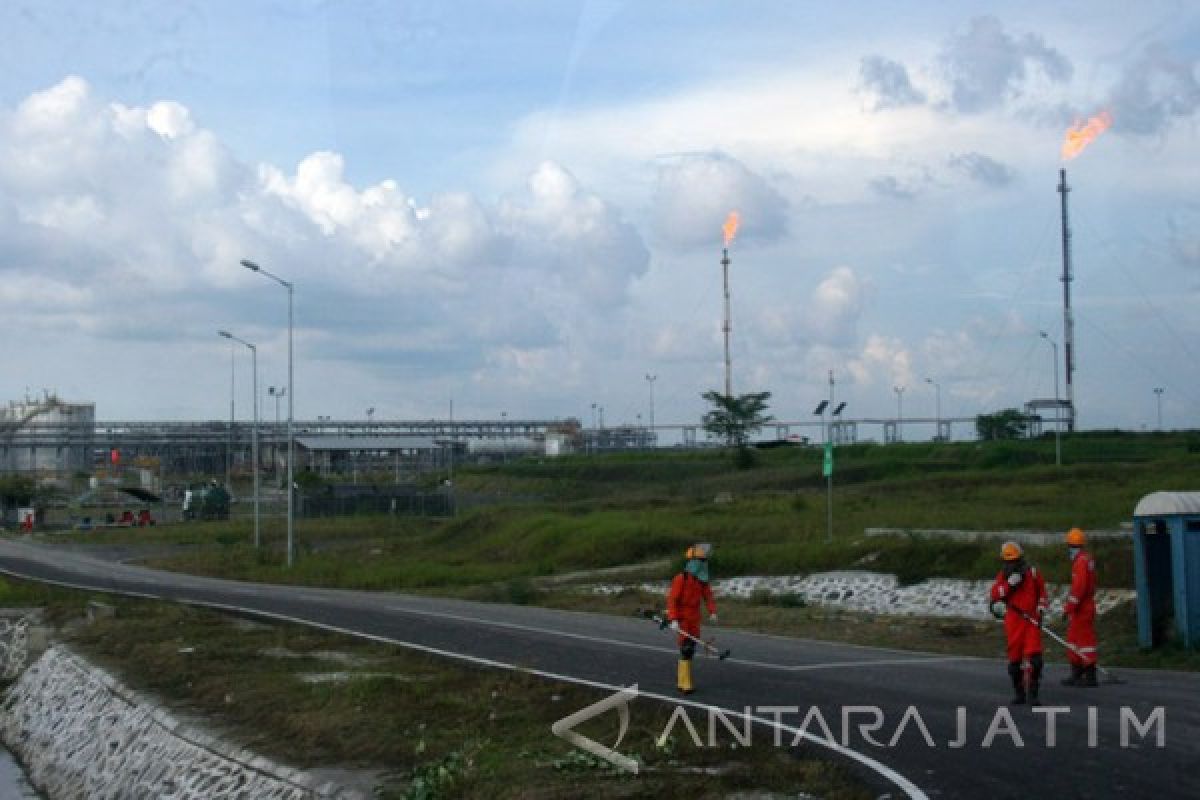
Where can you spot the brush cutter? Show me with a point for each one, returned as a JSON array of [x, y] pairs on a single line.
[[1108, 676], [664, 623]]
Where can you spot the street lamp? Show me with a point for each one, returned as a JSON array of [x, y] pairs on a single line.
[[1158, 393], [291, 396], [254, 432], [229, 438], [276, 393], [937, 388], [899, 390], [1057, 407], [650, 379], [827, 435], [503, 437]]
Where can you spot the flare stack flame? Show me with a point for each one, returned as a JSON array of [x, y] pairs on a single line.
[[730, 227], [1081, 134]]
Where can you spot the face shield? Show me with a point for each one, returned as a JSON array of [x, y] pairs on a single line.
[[1016, 567], [697, 565]]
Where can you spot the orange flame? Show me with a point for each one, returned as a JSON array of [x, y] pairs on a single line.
[[1081, 134], [730, 227]]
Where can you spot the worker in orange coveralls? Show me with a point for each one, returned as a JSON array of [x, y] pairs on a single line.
[[688, 589], [1019, 596], [1079, 611]]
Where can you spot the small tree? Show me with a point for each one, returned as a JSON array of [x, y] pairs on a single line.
[[1007, 424], [734, 418], [16, 490]]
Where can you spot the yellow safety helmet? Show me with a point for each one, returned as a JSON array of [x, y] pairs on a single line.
[[1011, 551], [698, 551], [1075, 538]]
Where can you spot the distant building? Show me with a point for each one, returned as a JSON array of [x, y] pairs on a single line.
[[47, 435]]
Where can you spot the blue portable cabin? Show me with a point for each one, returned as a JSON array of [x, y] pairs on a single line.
[[1166, 538]]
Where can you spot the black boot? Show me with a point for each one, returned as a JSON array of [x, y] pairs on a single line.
[[1076, 678], [1035, 678], [1089, 677], [1018, 682]]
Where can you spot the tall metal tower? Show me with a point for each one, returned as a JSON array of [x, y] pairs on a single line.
[[1068, 319], [727, 326]]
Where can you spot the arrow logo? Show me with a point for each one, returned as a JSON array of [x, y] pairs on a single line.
[[620, 701]]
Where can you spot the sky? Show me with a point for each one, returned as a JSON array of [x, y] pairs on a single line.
[[492, 208]]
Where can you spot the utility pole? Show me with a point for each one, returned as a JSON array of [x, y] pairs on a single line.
[[829, 467], [1057, 404], [651, 379], [229, 447]]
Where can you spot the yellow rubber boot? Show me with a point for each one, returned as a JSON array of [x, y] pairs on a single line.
[[684, 681]]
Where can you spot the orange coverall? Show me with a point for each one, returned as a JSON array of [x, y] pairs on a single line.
[[683, 604], [1029, 596], [1080, 608]]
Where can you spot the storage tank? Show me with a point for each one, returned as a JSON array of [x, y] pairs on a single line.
[[511, 446], [46, 435]]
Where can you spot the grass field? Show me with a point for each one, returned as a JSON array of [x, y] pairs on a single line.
[[484, 734], [415, 726], [596, 512], [590, 513]]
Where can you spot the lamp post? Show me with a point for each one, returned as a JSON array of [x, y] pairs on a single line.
[[937, 388], [827, 469], [1057, 407], [276, 393], [650, 379], [819, 411], [229, 438], [1158, 393], [899, 390], [254, 432], [503, 437], [291, 396]]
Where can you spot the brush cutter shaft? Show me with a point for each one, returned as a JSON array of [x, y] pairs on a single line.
[[1111, 677], [1048, 632], [664, 624]]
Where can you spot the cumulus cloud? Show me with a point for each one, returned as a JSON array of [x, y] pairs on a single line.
[[983, 169], [695, 193], [883, 361], [1156, 90], [131, 222], [835, 307], [580, 241], [888, 82], [987, 66]]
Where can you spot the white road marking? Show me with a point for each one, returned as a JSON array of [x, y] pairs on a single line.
[[904, 784], [912, 790]]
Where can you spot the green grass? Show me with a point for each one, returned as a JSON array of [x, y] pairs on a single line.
[[595, 512], [590, 512], [472, 734], [435, 728]]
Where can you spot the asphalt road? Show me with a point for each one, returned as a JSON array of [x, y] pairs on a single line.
[[928, 717]]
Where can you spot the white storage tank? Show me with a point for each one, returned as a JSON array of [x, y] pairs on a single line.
[[46, 435]]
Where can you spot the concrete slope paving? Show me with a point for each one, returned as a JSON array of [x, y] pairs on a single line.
[[935, 726]]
